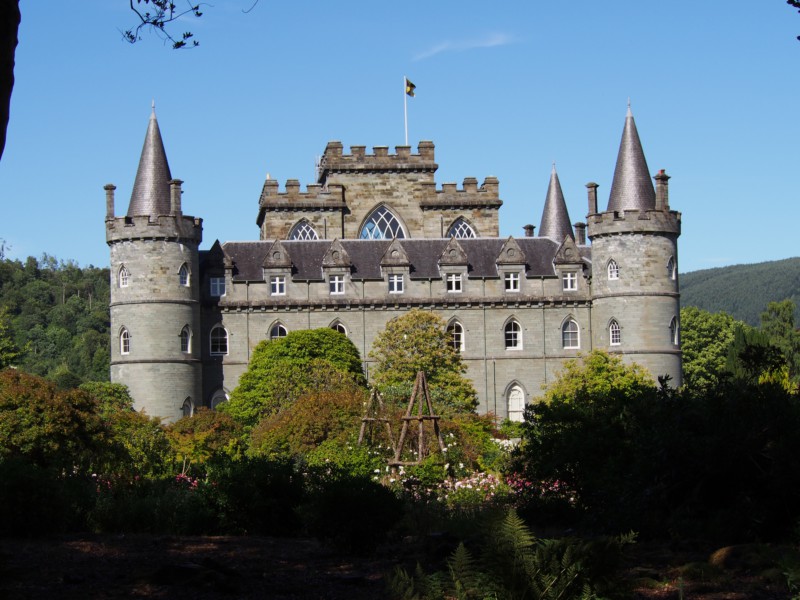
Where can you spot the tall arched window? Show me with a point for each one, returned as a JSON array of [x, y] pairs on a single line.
[[674, 331], [381, 225], [570, 335], [614, 333], [672, 268], [613, 269], [461, 229], [456, 331], [124, 341], [303, 230], [277, 331], [218, 340], [187, 409], [218, 398], [183, 275], [516, 403], [124, 277], [513, 336], [186, 340]]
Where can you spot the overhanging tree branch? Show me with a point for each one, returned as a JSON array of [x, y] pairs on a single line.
[[157, 15]]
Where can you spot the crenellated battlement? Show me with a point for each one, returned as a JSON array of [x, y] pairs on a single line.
[[634, 221], [450, 196], [331, 195], [335, 161], [181, 228]]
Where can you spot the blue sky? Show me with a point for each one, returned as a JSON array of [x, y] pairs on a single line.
[[503, 90]]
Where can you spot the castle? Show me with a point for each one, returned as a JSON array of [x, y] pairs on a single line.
[[373, 238]]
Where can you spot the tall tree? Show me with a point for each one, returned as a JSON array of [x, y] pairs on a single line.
[[705, 340], [419, 341], [779, 324]]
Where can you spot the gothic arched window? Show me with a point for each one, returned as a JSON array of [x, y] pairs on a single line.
[[124, 341], [381, 225], [461, 229], [672, 269], [337, 326], [513, 336], [187, 409], [183, 275], [186, 340], [456, 331], [613, 269], [303, 230], [570, 335], [277, 332], [218, 340], [614, 333], [674, 331], [124, 276], [516, 403]]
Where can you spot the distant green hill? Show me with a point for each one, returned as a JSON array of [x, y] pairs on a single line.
[[743, 291]]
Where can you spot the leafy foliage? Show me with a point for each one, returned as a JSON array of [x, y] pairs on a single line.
[[164, 13], [282, 370], [58, 314], [207, 433], [705, 341], [418, 341], [743, 291]]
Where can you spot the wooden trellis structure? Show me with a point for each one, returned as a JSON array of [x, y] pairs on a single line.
[[375, 413], [420, 388]]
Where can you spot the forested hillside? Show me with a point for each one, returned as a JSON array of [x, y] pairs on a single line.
[[54, 319], [743, 291]]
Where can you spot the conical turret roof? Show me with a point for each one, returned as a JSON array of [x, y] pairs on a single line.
[[151, 192], [555, 218], [632, 188]]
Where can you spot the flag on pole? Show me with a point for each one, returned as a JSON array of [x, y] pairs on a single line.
[[410, 87]]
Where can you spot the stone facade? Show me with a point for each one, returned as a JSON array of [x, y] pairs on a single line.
[[373, 238]]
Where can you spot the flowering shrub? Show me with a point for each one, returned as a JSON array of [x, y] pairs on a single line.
[[474, 493]]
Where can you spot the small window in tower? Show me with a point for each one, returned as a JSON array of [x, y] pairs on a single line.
[[183, 275], [461, 229], [672, 269], [613, 270], [219, 340], [674, 331], [513, 336], [187, 410], [186, 340], [124, 277], [570, 281], [614, 333], [453, 283], [456, 331], [570, 335], [277, 332], [124, 341], [217, 286], [511, 282], [396, 283], [277, 285]]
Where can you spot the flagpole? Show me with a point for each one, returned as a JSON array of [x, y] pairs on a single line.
[[405, 105]]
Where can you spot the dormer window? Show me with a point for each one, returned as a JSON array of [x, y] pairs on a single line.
[[277, 285], [569, 281], [511, 282], [217, 286], [396, 283], [336, 284], [454, 283]]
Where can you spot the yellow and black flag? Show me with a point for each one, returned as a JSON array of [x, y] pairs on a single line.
[[410, 87]]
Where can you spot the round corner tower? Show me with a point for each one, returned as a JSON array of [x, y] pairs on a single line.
[[155, 290], [635, 294]]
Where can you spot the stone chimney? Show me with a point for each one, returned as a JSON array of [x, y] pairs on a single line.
[[175, 197], [528, 229], [109, 188], [592, 189], [580, 233], [662, 190]]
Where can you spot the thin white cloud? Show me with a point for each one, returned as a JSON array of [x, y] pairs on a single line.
[[488, 41]]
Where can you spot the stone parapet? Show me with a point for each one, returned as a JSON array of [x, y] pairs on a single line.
[[179, 228], [335, 161], [470, 195], [634, 221]]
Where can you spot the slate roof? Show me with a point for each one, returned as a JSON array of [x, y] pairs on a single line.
[[632, 188], [365, 256], [555, 218], [151, 192]]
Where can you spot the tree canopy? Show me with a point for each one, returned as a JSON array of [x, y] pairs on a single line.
[[281, 370], [705, 340], [418, 341]]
